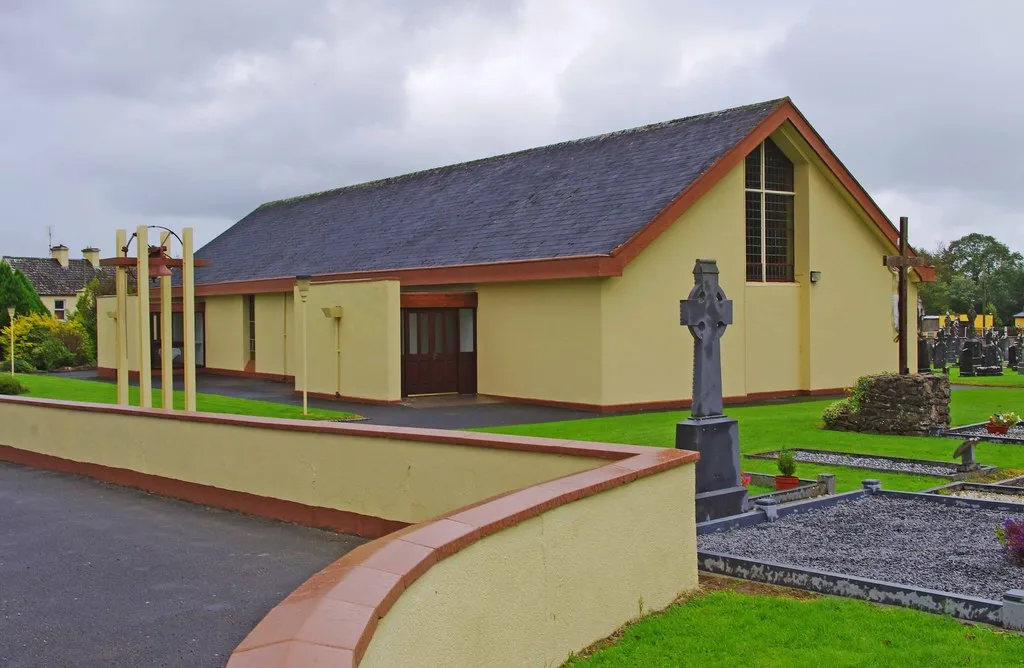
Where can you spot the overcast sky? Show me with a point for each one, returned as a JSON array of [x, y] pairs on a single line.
[[116, 113]]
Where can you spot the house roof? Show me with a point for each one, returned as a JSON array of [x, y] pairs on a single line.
[[52, 280], [1019, 315], [579, 208]]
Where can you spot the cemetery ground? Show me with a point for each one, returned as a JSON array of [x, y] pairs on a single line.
[[71, 389], [738, 623], [1010, 378], [746, 623], [798, 425]]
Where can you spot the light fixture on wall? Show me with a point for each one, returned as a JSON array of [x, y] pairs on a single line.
[[815, 276]]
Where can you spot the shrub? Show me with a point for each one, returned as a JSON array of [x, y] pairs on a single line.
[[836, 411], [787, 462], [10, 385], [51, 354], [1011, 535]]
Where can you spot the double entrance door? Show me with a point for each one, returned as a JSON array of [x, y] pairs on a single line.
[[438, 351]]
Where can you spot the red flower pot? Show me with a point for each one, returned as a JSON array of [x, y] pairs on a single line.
[[994, 428], [786, 482]]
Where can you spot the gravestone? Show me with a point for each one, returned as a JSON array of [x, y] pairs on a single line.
[[968, 354], [1013, 356], [924, 356], [708, 431], [939, 352]]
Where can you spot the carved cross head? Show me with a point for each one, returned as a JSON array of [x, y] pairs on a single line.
[[707, 311]]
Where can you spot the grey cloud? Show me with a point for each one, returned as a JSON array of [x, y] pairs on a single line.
[[121, 113]]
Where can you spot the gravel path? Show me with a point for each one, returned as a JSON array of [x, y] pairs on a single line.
[[989, 496], [895, 540], [875, 463]]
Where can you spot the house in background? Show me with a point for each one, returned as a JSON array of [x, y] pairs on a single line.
[[1018, 320], [60, 280], [553, 275]]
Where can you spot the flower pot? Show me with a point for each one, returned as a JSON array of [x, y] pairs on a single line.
[[786, 482], [994, 428]]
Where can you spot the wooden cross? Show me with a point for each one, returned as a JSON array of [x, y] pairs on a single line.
[[707, 313], [903, 262]]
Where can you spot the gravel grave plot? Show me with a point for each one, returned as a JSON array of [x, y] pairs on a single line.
[[1015, 434], [904, 541], [990, 496], [875, 463]]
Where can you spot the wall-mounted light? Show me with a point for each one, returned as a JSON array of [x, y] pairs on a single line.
[[815, 276]]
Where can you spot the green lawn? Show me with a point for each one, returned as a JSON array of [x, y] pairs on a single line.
[[72, 389], [726, 628], [799, 425], [1010, 378]]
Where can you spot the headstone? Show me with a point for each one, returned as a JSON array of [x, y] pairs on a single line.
[[1013, 356], [966, 454], [968, 355], [924, 356], [939, 352], [708, 431]]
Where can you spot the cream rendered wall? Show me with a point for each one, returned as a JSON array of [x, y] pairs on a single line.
[[370, 365], [784, 337], [394, 479], [227, 343], [275, 325], [70, 301], [532, 594], [773, 337], [106, 341], [647, 355], [540, 340], [851, 331]]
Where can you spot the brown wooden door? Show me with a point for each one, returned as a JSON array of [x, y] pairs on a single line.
[[430, 345]]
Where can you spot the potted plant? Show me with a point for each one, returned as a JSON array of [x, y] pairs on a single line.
[[787, 467], [1000, 423]]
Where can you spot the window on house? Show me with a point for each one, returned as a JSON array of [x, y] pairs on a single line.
[[769, 214], [252, 326], [59, 312]]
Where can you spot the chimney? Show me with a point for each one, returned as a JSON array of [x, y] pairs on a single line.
[[93, 256], [60, 254]]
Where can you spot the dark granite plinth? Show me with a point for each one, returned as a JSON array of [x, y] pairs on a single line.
[[719, 491]]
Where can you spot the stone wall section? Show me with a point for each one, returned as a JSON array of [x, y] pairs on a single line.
[[904, 405]]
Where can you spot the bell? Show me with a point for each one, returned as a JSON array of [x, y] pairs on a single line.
[[157, 266], [158, 270]]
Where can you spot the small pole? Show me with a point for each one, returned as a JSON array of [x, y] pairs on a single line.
[[121, 323], [188, 316], [166, 334], [145, 341]]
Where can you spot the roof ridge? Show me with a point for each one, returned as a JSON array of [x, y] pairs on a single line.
[[479, 161]]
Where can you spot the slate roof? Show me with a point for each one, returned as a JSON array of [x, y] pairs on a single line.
[[50, 279], [581, 197]]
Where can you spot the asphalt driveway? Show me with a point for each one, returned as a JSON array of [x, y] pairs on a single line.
[[97, 575]]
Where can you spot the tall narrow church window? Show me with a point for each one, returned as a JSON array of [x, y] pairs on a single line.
[[769, 214], [251, 308]]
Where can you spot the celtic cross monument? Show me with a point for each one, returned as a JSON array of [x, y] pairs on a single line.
[[708, 431]]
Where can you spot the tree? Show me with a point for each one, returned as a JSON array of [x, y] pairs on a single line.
[[17, 291], [85, 315], [964, 294]]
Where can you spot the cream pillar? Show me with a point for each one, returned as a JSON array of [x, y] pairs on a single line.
[[188, 307], [145, 343], [166, 335], [121, 323]]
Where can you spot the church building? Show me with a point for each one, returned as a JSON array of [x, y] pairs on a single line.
[[553, 275]]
